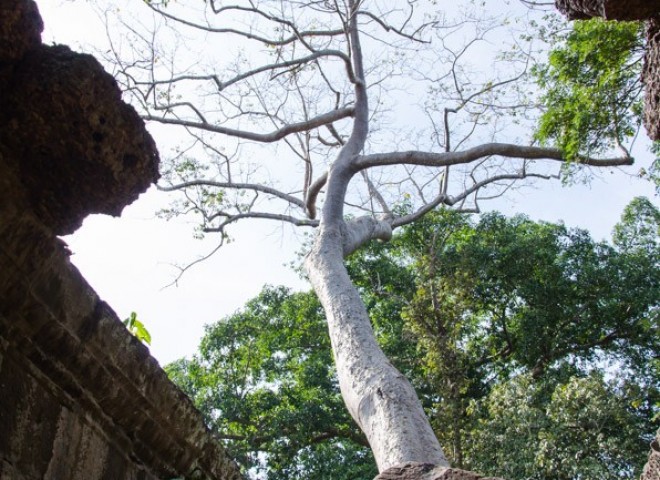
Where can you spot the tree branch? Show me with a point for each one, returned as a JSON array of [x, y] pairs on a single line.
[[406, 219], [264, 68], [298, 222], [313, 193], [250, 36], [453, 200], [235, 186], [443, 159], [398, 31], [296, 61], [361, 230], [312, 123]]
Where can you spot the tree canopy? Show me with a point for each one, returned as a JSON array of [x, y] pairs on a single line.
[[534, 350]]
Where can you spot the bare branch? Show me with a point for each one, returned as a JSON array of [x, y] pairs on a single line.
[[201, 259], [245, 34], [298, 222], [374, 193], [508, 150], [235, 186], [453, 200], [398, 31], [312, 123], [419, 213], [295, 62], [313, 193]]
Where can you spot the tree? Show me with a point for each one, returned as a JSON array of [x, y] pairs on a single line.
[[639, 230], [264, 380], [462, 308], [321, 78], [594, 76], [579, 427], [509, 301]]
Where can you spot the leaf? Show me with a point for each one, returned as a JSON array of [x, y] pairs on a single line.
[[137, 328], [591, 88]]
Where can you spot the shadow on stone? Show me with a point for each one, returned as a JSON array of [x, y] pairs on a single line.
[[80, 397]]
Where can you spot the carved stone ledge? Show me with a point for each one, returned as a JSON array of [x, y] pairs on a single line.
[[427, 471], [75, 385], [74, 145], [608, 9]]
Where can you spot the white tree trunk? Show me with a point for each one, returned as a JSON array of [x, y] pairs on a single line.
[[379, 397]]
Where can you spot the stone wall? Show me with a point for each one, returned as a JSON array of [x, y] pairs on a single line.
[[80, 397]]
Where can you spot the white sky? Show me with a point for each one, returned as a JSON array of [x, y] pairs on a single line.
[[128, 260]]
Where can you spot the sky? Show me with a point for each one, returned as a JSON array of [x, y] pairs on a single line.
[[129, 260]]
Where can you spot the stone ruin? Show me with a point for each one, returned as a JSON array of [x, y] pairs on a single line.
[[651, 78], [80, 397]]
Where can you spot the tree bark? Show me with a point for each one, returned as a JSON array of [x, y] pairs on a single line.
[[651, 78], [380, 399], [608, 9]]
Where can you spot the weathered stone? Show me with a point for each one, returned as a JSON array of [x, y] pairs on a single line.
[[78, 148], [20, 29], [651, 79], [427, 471], [80, 397], [652, 468], [608, 9]]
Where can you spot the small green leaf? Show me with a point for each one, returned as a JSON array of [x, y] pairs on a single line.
[[137, 328]]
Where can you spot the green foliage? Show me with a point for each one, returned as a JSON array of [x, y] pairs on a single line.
[[653, 173], [531, 346], [639, 229], [264, 378], [579, 427], [137, 328], [507, 297], [591, 88]]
